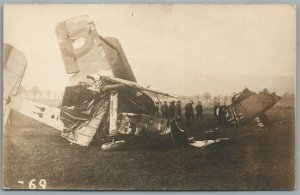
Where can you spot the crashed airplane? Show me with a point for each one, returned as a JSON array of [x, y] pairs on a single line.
[[103, 99]]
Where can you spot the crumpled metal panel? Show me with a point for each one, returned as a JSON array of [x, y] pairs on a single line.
[[83, 112], [251, 107], [139, 124], [85, 52]]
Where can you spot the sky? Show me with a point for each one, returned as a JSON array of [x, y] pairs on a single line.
[[181, 49]]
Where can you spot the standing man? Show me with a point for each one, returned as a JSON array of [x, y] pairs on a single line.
[[189, 113], [165, 110], [156, 109], [216, 110], [199, 110], [222, 115], [178, 110], [172, 110]]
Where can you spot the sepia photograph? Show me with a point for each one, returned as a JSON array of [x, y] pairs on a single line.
[[149, 97]]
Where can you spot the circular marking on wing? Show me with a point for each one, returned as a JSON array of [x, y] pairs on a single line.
[[78, 43]]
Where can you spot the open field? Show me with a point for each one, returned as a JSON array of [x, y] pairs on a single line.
[[252, 159]]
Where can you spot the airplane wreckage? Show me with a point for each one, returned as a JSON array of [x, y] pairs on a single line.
[[104, 100], [246, 106]]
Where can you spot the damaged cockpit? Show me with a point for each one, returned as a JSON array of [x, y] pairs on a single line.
[[109, 108]]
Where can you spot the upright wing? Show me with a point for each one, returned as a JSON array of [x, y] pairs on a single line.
[[14, 66]]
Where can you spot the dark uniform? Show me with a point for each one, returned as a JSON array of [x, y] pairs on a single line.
[[165, 110], [189, 113], [178, 111], [199, 110], [216, 107], [172, 110], [222, 115], [156, 109]]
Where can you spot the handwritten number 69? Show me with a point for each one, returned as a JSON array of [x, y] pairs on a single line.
[[42, 184]]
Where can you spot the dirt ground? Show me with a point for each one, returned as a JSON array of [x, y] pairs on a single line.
[[252, 159]]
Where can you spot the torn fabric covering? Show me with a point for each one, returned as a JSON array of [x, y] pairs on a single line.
[[131, 102], [83, 112], [129, 99]]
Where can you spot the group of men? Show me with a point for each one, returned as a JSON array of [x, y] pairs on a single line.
[[189, 112], [173, 111]]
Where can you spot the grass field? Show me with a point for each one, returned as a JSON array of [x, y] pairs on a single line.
[[253, 159]]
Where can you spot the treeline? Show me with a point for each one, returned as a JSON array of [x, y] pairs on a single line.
[[36, 92], [287, 100], [207, 99]]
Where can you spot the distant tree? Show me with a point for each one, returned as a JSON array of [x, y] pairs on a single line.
[[48, 92], [226, 99], [206, 96], [61, 94], [54, 94], [286, 94], [40, 93], [35, 90], [22, 91], [288, 100], [216, 99], [198, 97]]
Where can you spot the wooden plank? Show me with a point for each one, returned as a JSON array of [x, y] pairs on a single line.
[[134, 85], [113, 113]]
